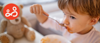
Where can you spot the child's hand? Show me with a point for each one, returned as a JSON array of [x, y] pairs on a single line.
[[37, 9], [39, 12]]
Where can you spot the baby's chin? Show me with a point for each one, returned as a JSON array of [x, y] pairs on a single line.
[[54, 39]]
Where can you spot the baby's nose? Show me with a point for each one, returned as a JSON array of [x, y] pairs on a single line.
[[66, 21]]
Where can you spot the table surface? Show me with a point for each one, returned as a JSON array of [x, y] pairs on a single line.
[[24, 40]]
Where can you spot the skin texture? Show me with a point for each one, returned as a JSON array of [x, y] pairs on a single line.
[[80, 23], [15, 31], [41, 15]]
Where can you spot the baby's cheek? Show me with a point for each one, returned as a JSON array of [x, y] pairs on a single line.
[[78, 28], [75, 28]]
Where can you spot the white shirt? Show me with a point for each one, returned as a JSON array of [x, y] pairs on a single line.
[[91, 37]]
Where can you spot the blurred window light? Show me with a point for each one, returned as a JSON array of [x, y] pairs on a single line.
[[24, 2]]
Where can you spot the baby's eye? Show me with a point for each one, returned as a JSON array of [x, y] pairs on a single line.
[[72, 17]]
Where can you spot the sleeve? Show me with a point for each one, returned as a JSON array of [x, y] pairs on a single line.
[[51, 23]]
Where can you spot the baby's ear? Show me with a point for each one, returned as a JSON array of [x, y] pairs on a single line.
[[21, 5], [0, 7]]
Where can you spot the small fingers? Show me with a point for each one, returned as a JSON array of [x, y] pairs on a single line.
[[31, 9], [45, 13], [34, 9], [38, 9], [41, 10]]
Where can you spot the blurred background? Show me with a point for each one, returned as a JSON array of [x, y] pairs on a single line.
[[49, 6], [26, 2]]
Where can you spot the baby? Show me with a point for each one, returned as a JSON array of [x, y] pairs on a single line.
[[79, 18]]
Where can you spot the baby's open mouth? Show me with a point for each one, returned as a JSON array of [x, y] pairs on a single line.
[[62, 24], [69, 30]]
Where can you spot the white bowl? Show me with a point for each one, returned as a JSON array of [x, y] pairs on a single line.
[[54, 39]]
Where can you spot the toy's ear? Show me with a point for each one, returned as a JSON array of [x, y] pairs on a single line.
[[0, 7], [21, 5]]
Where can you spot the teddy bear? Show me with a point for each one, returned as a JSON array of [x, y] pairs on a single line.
[[15, 29]]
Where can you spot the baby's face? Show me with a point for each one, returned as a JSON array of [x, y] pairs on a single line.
[[76, 22]]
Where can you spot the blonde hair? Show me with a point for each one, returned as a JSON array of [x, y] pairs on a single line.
[[92, 7]]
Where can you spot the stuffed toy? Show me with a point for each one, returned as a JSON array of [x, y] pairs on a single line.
[[15, 29]]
